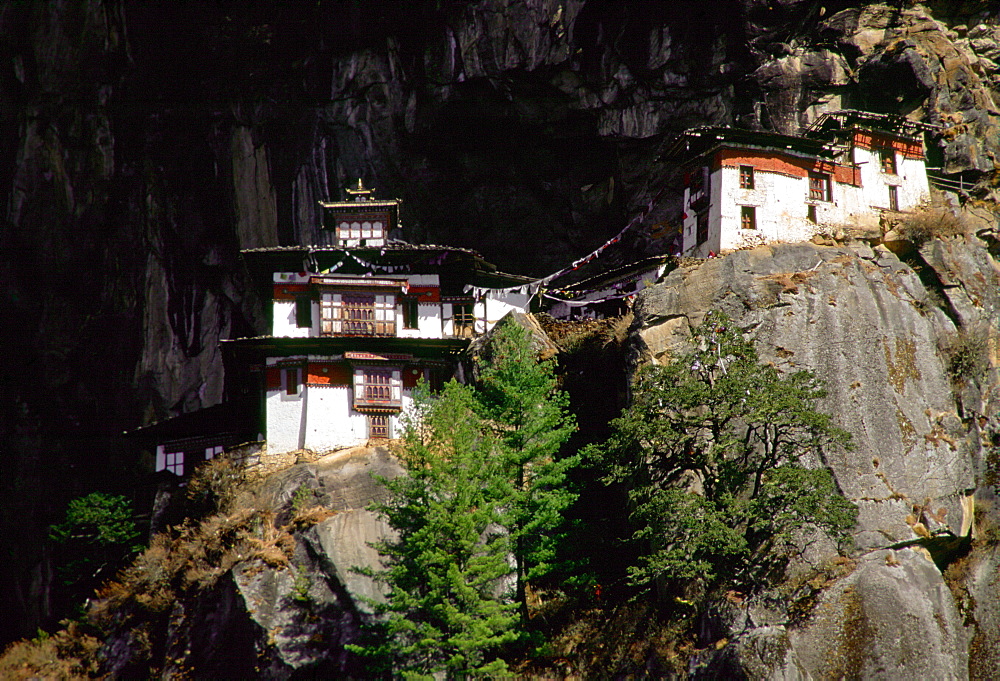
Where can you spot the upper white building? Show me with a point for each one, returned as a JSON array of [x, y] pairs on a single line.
[[746, 187]]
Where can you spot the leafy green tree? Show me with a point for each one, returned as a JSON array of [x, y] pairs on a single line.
[[520, 401], [711, 447], [446, 608]]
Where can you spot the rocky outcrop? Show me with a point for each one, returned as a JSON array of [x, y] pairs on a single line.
[[878, 332], [145, 143]]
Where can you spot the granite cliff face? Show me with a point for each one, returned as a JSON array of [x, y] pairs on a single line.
[[144, 144], [882, 332]]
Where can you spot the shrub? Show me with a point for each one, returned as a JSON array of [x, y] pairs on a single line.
[[928, 223], [965, 351]]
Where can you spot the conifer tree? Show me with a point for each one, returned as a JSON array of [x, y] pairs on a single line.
[[520, 401], [477, 514], [446, 609]]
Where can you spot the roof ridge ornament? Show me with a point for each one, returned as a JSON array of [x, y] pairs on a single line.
[[360, 193]]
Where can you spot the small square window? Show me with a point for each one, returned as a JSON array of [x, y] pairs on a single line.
[[748, 217], [887, 159], [819, 187], [746, 177]]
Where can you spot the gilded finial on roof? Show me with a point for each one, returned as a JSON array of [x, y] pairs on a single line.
[[360, 192]]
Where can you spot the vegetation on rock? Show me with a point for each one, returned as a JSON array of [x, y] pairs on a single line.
[[711, 450]]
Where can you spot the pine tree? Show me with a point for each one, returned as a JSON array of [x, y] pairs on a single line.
[[477, 514], [446, 608], [519, 399]]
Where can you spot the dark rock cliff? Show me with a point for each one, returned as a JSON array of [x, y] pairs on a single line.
[[145, 143]]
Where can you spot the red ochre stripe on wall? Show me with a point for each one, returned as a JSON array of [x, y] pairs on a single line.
[[337, 373], [908, 149], [289, 291], [425, 294], [769, 161], [328, 373]]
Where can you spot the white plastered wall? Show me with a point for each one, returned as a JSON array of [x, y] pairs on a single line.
[[286, 413], [910, 180]]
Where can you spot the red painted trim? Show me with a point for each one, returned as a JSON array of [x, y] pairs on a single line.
[[290, 291], [426, 294], [336, 373]]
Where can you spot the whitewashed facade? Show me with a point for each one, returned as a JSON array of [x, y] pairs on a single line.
[[745, 188]]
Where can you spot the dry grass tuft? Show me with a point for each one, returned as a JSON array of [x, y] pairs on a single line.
[[930, 222], [67, 654], [307, 517]]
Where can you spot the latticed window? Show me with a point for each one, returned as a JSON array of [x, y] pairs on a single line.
[[748, 217], [377, 387], [746, 177], [378, 426], [355, 230], [357, 314], [463, 319], [174, 462], [819, 187]]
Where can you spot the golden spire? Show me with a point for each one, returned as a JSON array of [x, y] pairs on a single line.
[[360, 193]]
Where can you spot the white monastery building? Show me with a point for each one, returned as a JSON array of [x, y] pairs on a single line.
[[747, 187], [355, 323]]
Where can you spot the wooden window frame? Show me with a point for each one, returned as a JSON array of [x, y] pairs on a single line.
[[811, 213], [894, 198], [378, 387], [820, 188], [411, 313], [701, 228], [379, 427], [293, 380], [463, 319], [174, 462], [748, 217], [887, 160], [746, 177], [357, 314]]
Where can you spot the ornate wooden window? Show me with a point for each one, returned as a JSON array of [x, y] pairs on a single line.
[[746, 177], [376, 387], [357, 314], [887, 160], [748, 217], [362, 228], [819, 187], [378, 426]]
